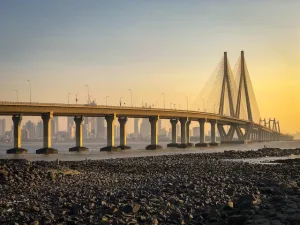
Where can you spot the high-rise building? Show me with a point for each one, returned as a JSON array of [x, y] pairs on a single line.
[[53, 128], [70, 121], [136, 126], [2, 126], [117, 131], [85, 130], [30, 126], [145, 128], [178, 129], [55, 120], [25, 134], [159, 127], [100, 127], [196, 131], [93, 126], [39, 129]]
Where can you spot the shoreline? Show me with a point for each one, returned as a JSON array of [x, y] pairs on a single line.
[[167, 189]]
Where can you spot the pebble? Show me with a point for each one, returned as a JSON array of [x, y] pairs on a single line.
[[173, 189]]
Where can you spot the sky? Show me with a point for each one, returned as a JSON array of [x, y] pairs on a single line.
[[149, 47]]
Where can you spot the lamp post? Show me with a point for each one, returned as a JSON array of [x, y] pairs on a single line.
[[121, 101], [29, 89], [187, 103], [17, 95], [130, 95], [171, 105], [69, 98], [163, 94], [203, 104], [88, 89], [106, 99], [76, 99], [214, 106]]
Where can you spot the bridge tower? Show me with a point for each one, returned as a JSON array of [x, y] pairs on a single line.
[[227, 82]]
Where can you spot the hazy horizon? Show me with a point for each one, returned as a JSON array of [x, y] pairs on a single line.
[[150, 47]]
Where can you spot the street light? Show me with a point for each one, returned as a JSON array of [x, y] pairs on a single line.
[[130, 95], [88, 89], [17, 95], [203, 104], [121, 101], [214, 106], [69, 97], [187, 103], [171, 105], [30, 88], [106, 99], [163, 94]]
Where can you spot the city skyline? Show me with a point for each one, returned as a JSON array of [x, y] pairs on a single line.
[[149, 48]]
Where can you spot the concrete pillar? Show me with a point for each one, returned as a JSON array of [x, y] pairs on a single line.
[[189, 144], [202, 134], [123, 141], [154, 139], [17, 136], [213, 141], [47, 149], [110, 132], [78, 123], [183, 123], [174, 133]]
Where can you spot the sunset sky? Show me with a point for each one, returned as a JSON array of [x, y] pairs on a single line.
[[150, 47]]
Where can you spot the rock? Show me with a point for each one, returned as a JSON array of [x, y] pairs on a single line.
[[127, 209], [136, 208], [247, 201], [236, 220], [228, 206]]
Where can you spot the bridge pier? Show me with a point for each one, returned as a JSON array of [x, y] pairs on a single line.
[[78, 123], [123, 140], [213, 141], [47, 149], [202, 134], [174, 133], [183, 125], [154, 134], [17, 136], [189, 144], [110, 134]]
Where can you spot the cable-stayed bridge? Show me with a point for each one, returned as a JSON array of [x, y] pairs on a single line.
[[228, 105]]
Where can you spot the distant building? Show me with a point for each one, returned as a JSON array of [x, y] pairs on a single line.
[[117, 131], [25, 134], [178, 128], [30, 126], [136, 129], [70, 124], [2, 126], [159, 127], [55, 119], [71, 132], [100, 128], [196, 131], [39, 129], [53, 128], [145, 128]]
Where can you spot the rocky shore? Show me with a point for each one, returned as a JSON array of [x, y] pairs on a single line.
[[173, 189]]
